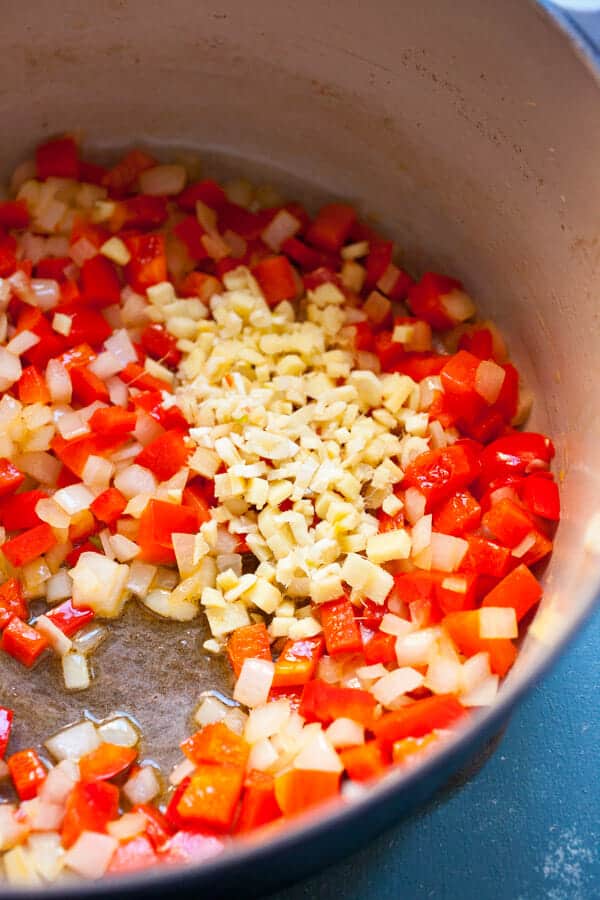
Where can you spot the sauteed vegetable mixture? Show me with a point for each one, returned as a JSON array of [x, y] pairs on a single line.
[[229, 411]]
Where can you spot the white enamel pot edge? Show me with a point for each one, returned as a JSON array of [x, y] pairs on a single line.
[[472, 129]]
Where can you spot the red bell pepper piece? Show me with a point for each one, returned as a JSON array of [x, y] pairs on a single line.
[[17, 511], [88, 326], [157, 523], [90, 807], [135, 854], [165, 455], [276, 278], [158, 829], [519, 589], [12, 602], [243, 222], [331, 227], [99, 282], [297, 790], [53, 267], [10, 477], [216, 744], [148, 263], [69, 618], [420, 365], [211, 797], [108, 506], [458, 514], [479, 342], [142, 211], [87, 387], [365, 762], [124, 174], [541, 497], [485, 557], [322, 702], [28, 773], [378, 261], [161, 345], [91, 173], [298, 661], [380, 648], [259, 804], [199, 495], [426, 299], [248, 642], [105, 762], [14, 214], [463, 628], [191, 232], [389, 353], [6, 719], [136, 376], [410, 750], [74, 453], [59, 157], [508, 522], [208, 192], [304, 256], [364, 337], [32, 387], [74, 357], [199, 284], [440, 473], [28, 546], [418, 719], [23, 642], [516, 454], [113, 420], [340, 629], [8, 255]]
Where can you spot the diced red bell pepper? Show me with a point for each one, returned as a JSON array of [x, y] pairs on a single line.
[[32, 387], [132, 856], [199, 495], [91, 173], [29, 545], [14, 214], [463, 628], [325, 274], [459, 378], [105, 762], [378, 261], [364, 337], [53, 267], [331, 227], [304, 256], [516, 454], [410, 750], [420, 365], [158, 829], [87, 387], [519, 589], [380, 648], [276, 278], [157, 523], [161, 345], [297, 790], [28, 773], [208, 192], [426, 299], [74, 357], [69, 618], [108, 506], [218, 744], [479, 342], [8, 255], [75, 553], [191, 232], [340, 629], [165, 455], [541, 497], [124, 174], [508, 522], [458, 514], [323, 702], [199, 284], [211, 797], [259, 804], [243, 222], [248, 642], [23, 642], [148, 263], [6, 719], [88, 326], [298, 661], [440, 473], [74, 453], [389, 353], [12, 602], [142, 211], [10, 477], [99, 282], [136, 376], [485, 557], [418, 719], [59, 157], [113, 420], [90, 807], [365, 762]]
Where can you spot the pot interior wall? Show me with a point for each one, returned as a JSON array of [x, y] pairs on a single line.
[[469, 130]]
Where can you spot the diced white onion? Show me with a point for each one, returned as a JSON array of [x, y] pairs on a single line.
[[91, 854], [318, 755], [483, 694], [82, 250], [123, 549], [447, 551], [97, 471], [22, 342], [282, 226], [254, 683], [211, 710], [56, 638], [443, 675], [181, 771], [475, 670], [74, 498], [414, 505], [74, 742], [50, 512], [140, 578], [10, 369], [76, 672], [135, 480], [105, 365], [498, 622], [421, 535], [489, 379], [391, 624], [345, 733], [263, 755], [118, 731], [130, 825], [47, 853], [266, 720], [117, 391], [59, 782], [90, 637], [371, 673], [119, 344], [143, 786], [165, 181], [395, 684], [415, 649], [46, 291]]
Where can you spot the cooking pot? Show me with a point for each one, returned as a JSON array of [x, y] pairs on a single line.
[[471, 131]]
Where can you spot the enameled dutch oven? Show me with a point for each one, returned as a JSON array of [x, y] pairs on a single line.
[[471, 129]]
